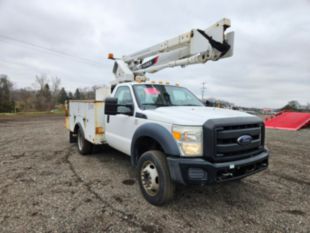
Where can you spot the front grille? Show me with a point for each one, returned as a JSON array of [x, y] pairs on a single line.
[[227, 145], [221, 138]]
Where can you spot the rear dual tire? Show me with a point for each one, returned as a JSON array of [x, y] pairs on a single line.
[[84, 146], [72, 137]]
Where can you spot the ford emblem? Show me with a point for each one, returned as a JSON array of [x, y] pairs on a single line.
[[244, 139]]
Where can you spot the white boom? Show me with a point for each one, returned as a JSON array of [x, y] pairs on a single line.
[[193, 47]]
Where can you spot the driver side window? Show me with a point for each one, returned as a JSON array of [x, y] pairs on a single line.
[[124, 97]]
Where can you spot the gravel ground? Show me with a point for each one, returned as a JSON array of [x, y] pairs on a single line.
[[46, 186]]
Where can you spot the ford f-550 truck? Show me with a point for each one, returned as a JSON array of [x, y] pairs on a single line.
[[171, 137]]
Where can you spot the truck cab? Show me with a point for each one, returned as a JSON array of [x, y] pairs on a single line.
[[201, 145]]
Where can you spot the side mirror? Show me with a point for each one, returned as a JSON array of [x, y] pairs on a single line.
[[110, 106]]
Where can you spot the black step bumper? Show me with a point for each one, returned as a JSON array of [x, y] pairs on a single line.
[[200, 171]]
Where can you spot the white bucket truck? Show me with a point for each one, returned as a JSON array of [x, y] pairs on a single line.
[[171, 137]]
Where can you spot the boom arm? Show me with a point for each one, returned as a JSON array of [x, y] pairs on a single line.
[[193, 47]]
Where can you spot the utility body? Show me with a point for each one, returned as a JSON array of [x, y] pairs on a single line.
[[171, 136]]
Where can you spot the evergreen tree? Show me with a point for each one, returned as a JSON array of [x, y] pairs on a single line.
[[47, 93], [70, 95], [77, 94], [292, 105], [6, 102], [44, 98], [62, 96]]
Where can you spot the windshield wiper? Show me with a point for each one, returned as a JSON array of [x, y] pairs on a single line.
[[157, 105], [188, 105], [153, 104]]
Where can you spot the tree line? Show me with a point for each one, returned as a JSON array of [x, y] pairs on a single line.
[[295, 106], [46, 95]]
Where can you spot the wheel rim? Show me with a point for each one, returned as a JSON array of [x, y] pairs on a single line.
[[80, 141], [150, 178]]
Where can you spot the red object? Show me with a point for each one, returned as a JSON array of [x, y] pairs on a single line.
[[156, 59], [151, 91], [288, 120]]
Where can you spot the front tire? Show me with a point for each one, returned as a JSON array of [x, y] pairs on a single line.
[[84, 146], [154, 178]]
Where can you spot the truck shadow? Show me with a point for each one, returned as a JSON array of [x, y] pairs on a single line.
[[107, 154], [246, 193]]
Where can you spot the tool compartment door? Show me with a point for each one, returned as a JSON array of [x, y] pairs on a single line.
[[89, 114]]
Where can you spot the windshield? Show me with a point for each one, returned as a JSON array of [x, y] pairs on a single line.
[[151, 96]]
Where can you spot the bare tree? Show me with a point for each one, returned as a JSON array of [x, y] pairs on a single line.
[[55, 86], [44, 99], [41, 80], [55, 89], [25, 99]]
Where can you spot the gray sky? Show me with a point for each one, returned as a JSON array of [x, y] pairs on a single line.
[[271, 64]]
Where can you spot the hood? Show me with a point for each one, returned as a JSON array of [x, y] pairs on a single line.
[[190, 115]]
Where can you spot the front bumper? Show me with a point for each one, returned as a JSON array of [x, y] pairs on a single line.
[[200, 171]]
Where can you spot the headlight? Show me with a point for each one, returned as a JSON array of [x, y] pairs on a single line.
[[189, 139]]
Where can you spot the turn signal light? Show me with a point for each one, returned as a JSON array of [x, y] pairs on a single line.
[[176, 135], [111, 56], [99, 130]]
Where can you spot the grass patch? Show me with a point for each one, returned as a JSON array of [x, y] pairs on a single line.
[[31, 114]]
